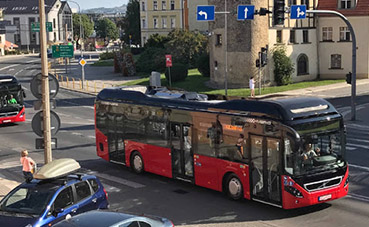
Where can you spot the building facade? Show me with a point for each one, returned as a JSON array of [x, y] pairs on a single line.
[[335, 41], [162, 16], [22, 13]]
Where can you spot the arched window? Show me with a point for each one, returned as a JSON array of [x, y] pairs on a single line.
[[302, 65]]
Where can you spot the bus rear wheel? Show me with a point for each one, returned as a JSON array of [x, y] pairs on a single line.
[[234, 187], [137, 162]]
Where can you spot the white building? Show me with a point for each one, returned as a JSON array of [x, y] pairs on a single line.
[[22, 13]]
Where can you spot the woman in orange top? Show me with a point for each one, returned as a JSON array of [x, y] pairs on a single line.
[[27, 164]]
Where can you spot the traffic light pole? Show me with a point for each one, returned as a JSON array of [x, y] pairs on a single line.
[[45, 85], [353, 82]]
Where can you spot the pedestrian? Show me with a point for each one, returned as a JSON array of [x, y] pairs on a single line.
[[252, 86], [28, 165]]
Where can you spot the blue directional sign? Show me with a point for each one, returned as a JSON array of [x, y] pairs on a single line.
[[245, 12], [205, 13], [298, 11]]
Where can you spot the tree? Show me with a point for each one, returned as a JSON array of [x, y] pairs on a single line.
[[156, 41], [131, 24], [87, 25], [186, 46], [283, 66], [106, 28]]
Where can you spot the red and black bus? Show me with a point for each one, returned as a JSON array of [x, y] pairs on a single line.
[[288, 153], [11, 100]]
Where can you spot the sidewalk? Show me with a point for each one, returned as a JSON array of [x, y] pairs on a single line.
[[6, 186]]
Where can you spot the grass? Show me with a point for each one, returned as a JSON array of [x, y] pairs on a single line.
[[109, 62], [196, 82]]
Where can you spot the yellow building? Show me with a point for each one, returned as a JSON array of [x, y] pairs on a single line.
[[160, 17]]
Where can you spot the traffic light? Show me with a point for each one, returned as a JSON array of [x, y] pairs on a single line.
[[349, 77], [264, 56], [278, 12]]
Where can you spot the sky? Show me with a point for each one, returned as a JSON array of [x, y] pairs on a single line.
[[89, 4]]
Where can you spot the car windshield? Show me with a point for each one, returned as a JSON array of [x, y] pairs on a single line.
[[315, 153], [26, 200]]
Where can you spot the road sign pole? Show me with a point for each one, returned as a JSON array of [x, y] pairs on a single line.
[[45, 85], [259, 73], [226, 48], [353, 82], [83, 75], [170, 78]]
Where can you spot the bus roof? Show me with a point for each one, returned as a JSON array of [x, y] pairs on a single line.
[[280, 109]]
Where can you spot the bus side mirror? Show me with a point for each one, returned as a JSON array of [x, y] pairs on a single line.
[[24, 94]]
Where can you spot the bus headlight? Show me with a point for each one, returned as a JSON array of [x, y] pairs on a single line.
[[293, 191]]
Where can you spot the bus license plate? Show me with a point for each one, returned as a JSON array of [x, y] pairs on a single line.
[[324, 197], [7, 121]]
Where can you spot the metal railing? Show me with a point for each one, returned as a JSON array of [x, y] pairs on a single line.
[[92, 87]]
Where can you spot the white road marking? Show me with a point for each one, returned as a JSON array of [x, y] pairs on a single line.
[[358, 140], [11, 70], [77, 134], [118, 180], [18, 73], [359, 167], [359, 197], [10, 165], [9, 66], [110, 189], [91, 137], [32, 61], [350, 148]]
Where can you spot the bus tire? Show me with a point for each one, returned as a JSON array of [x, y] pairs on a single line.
[[137, 162], [234, 187]]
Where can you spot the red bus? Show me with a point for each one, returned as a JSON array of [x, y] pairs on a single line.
[[288, 153], [11, 100]]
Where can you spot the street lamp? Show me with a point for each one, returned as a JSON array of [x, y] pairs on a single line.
[[80, 26]]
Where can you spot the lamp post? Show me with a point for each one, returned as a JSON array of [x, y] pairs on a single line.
[[80, 25]]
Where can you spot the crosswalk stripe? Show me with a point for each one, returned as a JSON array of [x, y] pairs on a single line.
[[118, 180]]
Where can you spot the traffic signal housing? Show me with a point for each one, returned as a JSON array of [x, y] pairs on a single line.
[[264, 56], [278, 12], [349, 77]]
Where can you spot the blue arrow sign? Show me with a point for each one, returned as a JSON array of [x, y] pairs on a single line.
[[205, 13], [298, 11], [245, 12]]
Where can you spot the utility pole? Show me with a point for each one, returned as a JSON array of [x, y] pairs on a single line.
[[45, 85]]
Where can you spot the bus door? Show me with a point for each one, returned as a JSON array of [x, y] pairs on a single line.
[[115, 139], [182, 153], [264, 169]]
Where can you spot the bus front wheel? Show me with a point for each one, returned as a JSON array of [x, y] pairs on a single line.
[[234, 187], [137, 162]]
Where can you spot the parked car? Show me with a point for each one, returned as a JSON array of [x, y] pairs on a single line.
[[54, 195], [114, 219], [49, 53]]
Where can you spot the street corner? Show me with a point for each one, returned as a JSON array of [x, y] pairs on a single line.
[[6, 186]]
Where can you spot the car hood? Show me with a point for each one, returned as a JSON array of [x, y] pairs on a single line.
[[16, 221]]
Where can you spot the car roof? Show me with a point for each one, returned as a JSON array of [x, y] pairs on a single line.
[[95, 218]]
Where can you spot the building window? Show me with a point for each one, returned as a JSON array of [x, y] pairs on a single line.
[[305, 2], [144, 39], [155, 5], [164, 5], [302, 65], [155, 22], [218, 41], [305, 36], [336, 61], [172, 22], [54, 23], [347, 4], [172, 5], [279, 36], [143, 7], [164, 22], [292, 2], [344, 34], [16, 22], [54, 36], [143, 23], [327, 33], [292, 36]]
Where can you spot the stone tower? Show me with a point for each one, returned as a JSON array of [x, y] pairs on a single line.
[[244, 41]]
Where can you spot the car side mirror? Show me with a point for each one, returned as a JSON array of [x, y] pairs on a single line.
[[57, 211]]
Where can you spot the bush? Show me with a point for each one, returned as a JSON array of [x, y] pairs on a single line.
[[136, 51], [283, 66], [178, 72], [203, 65], [152, 59], [107, 55]]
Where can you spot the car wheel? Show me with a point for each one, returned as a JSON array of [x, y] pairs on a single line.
[[137, 162], [234, 187]]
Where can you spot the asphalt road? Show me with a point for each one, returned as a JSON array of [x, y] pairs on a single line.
[[181, 202]]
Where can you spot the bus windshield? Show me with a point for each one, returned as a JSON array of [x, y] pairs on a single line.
[[315, 153]]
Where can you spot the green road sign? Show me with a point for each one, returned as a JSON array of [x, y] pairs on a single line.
[[35, 26], [63, 51]]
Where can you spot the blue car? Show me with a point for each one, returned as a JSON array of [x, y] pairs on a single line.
[[44, 202]]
